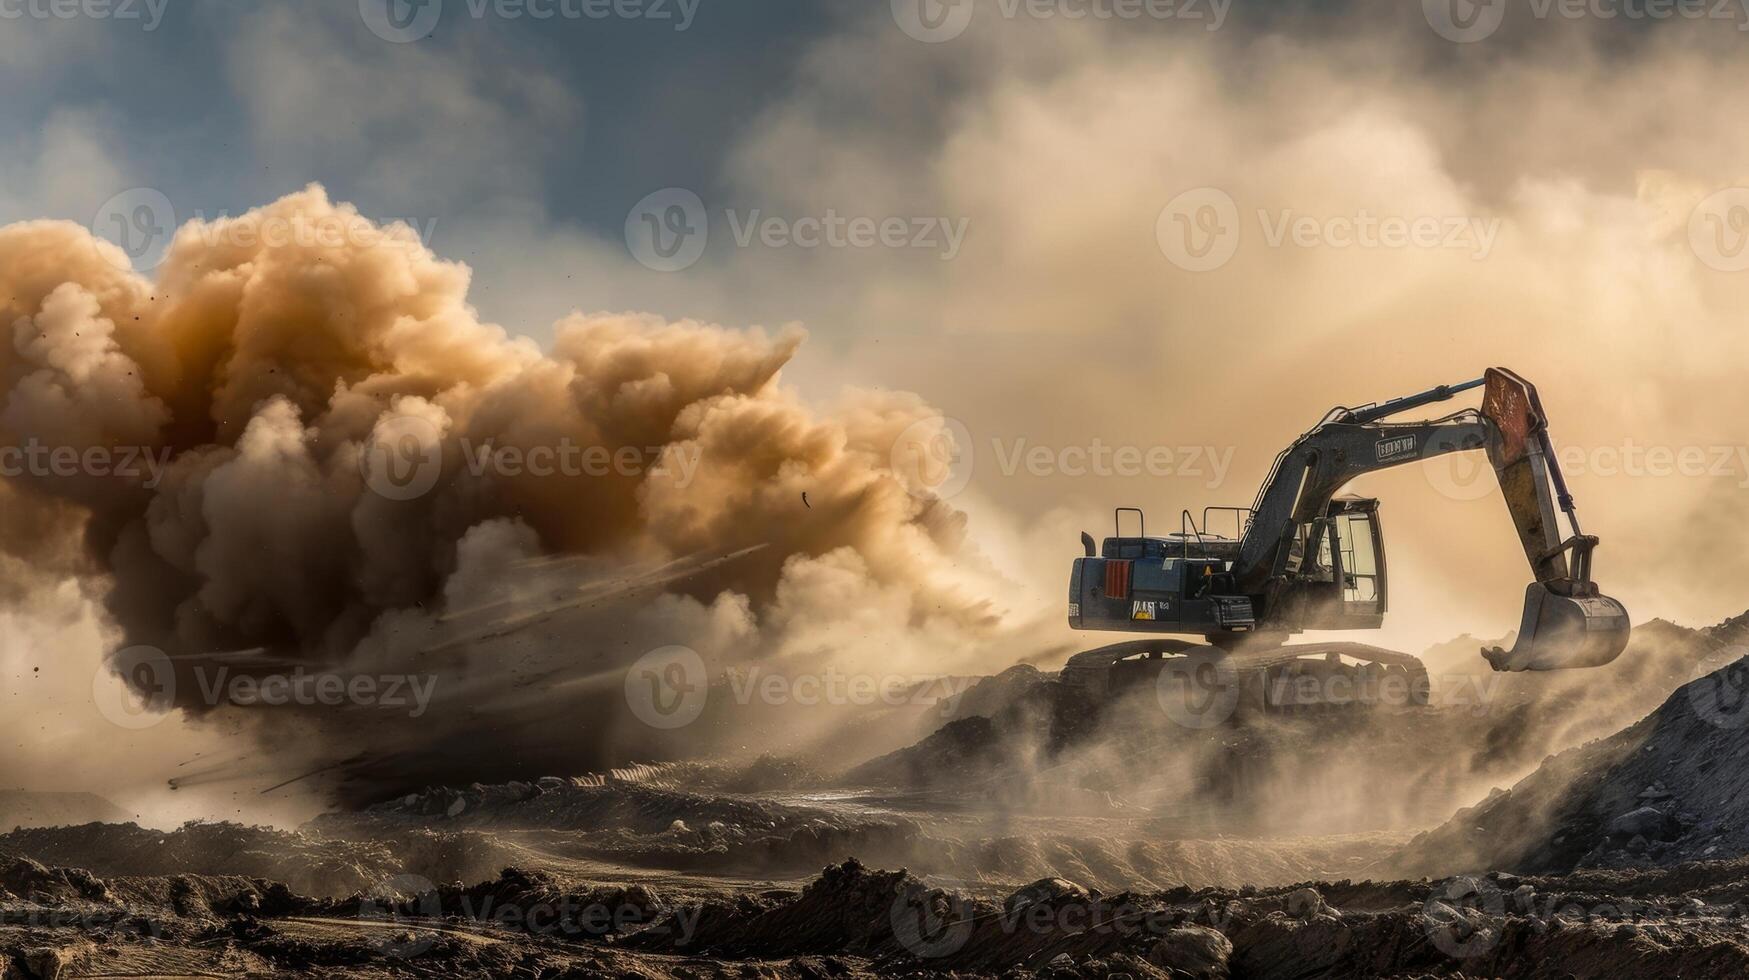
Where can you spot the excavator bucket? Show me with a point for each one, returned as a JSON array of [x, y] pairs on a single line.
[[1560, 631], [1566, 623]]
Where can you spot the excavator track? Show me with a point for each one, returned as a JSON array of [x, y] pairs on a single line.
[[1277, 678]]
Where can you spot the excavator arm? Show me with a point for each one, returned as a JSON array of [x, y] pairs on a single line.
[[1566, 622]]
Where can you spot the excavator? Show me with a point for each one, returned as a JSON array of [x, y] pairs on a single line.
[[1306, 558]]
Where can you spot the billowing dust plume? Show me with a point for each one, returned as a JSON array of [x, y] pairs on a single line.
[[298, 449]]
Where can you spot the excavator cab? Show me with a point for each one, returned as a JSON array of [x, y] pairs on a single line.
[[1336, 567]]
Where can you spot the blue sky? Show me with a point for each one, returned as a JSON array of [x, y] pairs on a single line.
[[632, 103]]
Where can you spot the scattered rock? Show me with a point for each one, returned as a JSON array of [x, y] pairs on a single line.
[[1307, 903], [1195, 951], [1047, 890], [47, 963], [1648, 822]]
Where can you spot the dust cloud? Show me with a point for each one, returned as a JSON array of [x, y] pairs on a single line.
[[296, 457]]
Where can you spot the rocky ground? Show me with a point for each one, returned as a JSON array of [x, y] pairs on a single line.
[[1032, 834], [853, 921]]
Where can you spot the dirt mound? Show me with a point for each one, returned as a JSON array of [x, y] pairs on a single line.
[[1673, 787], [999, 693], [966, 748], [844, 910], [1025, 740], [569, 804], [1494, 926], [311, 865], [27, 879], [24, 808]]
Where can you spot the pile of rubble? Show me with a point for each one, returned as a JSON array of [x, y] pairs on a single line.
[[1672, 788], [312, 864]]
